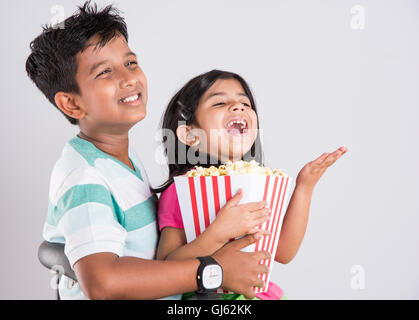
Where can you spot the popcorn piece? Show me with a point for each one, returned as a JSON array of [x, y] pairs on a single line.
[[237, 167]]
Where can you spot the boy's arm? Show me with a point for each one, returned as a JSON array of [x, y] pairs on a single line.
[[107, 276], [294, 225]]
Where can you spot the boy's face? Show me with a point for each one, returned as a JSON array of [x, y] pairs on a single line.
[[113, 88]]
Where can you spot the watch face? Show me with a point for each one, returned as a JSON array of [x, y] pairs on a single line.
[[212, 276]]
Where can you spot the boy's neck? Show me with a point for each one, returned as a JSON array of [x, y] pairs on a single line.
[[112, 144]]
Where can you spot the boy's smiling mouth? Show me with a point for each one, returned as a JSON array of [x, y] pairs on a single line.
[[132, 99]]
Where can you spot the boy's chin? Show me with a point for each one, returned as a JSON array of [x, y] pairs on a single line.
[[140, 116], [125, 124], [136, 117]]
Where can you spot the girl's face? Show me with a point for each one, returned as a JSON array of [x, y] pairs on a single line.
[[226, 122]]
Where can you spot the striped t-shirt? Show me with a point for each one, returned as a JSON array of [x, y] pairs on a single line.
[[99, 204]]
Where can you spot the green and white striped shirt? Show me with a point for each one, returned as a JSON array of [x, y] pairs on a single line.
[[99, 204]]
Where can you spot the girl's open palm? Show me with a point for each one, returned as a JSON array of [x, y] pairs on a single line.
[[311, 173]]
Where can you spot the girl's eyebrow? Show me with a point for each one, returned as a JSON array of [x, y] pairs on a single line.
[[223, 94]]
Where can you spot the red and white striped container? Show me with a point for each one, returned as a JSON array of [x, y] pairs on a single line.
[[200, 199]]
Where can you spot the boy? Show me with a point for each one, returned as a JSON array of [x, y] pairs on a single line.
[[100, 203]]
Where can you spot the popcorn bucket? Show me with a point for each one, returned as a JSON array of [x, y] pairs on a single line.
[[201, 197]]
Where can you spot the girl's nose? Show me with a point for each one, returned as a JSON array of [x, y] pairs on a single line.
[[237, 107]]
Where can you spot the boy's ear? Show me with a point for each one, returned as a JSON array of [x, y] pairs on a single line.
[[184, 134], [66, 102]]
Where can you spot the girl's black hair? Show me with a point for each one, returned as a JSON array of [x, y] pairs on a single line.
[[52, 64], [181, 108]]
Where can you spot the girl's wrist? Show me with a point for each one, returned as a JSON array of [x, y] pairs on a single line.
[[304, 188], [215, 235]]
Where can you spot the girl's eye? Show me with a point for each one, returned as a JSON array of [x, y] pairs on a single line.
[[103, 72], [219, 104], [245, 104]]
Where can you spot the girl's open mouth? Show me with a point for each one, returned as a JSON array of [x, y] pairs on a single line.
[[237, 127]]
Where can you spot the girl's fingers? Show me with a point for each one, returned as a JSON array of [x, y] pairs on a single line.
[[339, 152], [335, 155], [321, 158], [260, 213], [259, 233], [327, 159], [235, 199], [255, 206], [330, 160], [343, 149], [258, 222]]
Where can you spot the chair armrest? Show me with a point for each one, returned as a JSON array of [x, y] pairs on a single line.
[[52, 254]]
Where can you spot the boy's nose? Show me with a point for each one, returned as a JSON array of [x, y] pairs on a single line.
[[128, 80]]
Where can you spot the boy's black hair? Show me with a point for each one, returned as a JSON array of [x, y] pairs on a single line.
[[181, 108], [52, 64]]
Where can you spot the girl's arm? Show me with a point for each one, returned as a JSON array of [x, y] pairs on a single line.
[[294, 225], [232, 221], [296, 216], [172, 245]]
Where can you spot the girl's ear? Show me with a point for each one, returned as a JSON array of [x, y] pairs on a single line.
[[185, 135], [66, 102]]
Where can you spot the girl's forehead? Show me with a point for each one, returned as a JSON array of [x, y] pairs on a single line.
[[224, 87], [226, 84]]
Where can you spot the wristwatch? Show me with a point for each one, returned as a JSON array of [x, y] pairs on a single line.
[[209, 275]]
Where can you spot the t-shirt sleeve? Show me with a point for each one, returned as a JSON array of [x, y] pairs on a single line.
[[169, 214], [84, 214]]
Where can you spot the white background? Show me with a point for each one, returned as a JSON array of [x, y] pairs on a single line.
[[319, 84]]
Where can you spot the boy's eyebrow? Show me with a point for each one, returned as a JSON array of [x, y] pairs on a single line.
[[223, 94], [96, 65]]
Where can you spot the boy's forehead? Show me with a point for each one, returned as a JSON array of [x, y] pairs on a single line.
[[94, 52]]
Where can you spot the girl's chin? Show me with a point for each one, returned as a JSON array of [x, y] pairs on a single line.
[[235, 154], [225, 157], [237, 133]]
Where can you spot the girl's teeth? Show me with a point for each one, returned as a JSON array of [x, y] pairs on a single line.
[[242, 123]]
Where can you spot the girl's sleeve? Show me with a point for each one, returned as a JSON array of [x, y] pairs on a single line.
[[169, 210]]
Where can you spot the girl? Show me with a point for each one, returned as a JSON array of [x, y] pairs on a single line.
[[213, 108]]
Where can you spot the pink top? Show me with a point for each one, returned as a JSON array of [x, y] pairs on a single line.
[[169, 215]]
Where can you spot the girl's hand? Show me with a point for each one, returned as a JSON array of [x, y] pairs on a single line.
[[234, 220], [312, 171]]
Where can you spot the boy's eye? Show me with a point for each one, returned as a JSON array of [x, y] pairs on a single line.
[[245, 104], [219, 104], [103, 72], [131, 63]]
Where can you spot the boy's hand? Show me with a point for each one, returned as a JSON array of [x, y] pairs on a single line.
[[241, 269], [234, 220], [311, 173]]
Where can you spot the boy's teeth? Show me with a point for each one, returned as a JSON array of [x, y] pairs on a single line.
[[132, 98]]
